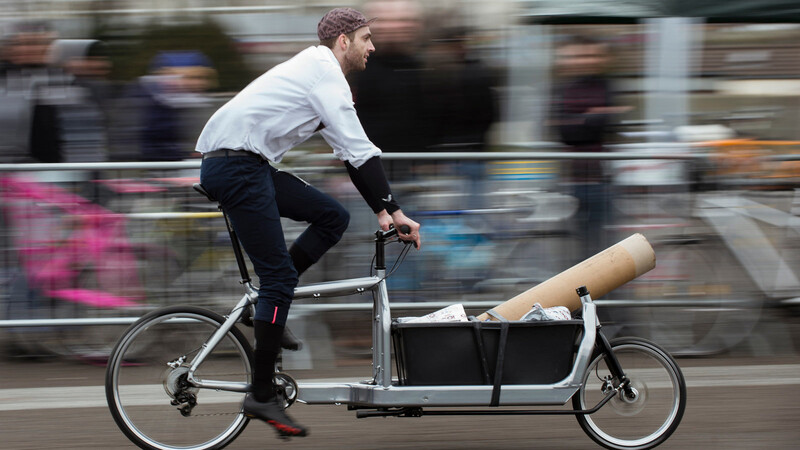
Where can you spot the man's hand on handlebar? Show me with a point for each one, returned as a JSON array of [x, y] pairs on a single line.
[[398, 219]]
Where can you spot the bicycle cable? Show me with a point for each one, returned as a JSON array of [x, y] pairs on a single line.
[[400, 258]]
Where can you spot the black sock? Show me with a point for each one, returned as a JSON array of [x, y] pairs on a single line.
[[300, 259], [268, 345]]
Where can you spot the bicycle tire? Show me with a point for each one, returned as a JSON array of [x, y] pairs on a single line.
[[140, 386], [650, 418]]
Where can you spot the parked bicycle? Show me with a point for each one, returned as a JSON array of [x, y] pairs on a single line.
[[72, 258], [187, 392]]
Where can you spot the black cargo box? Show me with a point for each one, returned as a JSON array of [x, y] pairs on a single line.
[[465, 353]]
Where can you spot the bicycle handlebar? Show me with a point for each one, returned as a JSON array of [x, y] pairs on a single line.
[[380, 239], [383, 235]]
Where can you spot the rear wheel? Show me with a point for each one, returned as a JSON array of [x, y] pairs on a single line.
[[146, 381], [644, 416]]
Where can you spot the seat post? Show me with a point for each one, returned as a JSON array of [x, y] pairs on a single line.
[[237, 249], [237, 246]]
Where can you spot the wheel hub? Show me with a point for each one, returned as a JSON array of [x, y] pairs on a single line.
[[182, 393], [175, 382], [631, 399]]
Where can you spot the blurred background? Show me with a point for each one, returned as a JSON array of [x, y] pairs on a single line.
[[525, 136]]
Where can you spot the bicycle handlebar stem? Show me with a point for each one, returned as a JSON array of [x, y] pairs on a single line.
[[380, 255], [380, 239]]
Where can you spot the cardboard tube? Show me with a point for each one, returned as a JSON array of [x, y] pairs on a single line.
[[602, 273]]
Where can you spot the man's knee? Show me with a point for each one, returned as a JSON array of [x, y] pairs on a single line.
[[335, 220], [342, 218]]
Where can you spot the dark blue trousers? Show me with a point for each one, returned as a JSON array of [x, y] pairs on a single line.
[[255, 196], [594, 215]]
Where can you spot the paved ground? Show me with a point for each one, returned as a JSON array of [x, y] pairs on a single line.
[[746, 399], [733, 403]]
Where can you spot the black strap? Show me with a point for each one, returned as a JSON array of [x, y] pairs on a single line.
[[501, 354], [476, 327]]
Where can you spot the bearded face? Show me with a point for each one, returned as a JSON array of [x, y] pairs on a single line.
[[355, 59]]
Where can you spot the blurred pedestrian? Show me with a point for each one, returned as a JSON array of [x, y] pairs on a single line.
[[461, 105], [583, 106], [27, 116], [175, 84], [394, 77], [25, 48], [459, 92], [81, 114], [279, 110]]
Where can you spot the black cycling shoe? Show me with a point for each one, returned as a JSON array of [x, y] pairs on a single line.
[[273, 414], [288, 340]]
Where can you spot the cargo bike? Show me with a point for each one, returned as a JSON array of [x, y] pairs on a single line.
[[177, 377]]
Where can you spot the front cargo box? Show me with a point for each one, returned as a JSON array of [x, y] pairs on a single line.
[[465, 353]]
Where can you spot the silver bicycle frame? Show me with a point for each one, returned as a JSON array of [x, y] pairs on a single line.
[[381, 391], [249, 298]]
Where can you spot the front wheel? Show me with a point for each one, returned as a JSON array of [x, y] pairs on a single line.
[[653, 406], [146, 387]]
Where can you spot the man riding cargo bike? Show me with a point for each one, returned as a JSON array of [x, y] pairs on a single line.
[[185, 377], [280, 109]]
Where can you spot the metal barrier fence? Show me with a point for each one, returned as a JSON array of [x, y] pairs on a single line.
[[101, 243]]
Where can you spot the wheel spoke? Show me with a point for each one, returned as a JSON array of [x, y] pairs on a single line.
[[643, 414], [147, 388]]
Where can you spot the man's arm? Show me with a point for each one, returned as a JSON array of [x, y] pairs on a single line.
[[371, 182], [332, 99]]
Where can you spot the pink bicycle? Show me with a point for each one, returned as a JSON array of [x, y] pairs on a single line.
[[75, 261]]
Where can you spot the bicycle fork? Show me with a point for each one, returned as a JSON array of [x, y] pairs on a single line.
[[604, 347]]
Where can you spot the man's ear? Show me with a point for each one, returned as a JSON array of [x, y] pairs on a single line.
[[343, 41]]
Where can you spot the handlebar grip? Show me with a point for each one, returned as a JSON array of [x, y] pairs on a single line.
[[405, 229]]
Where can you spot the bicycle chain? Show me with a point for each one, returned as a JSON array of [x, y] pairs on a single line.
[[214, 414]]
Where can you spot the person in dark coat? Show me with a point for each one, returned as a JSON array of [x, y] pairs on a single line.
[[582, 109], [461, 106], [394, 77], [177, 82]]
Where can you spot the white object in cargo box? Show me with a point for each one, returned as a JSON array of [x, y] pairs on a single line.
[[452, 313]]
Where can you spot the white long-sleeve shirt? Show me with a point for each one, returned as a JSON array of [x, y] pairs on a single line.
[[283, 108]]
